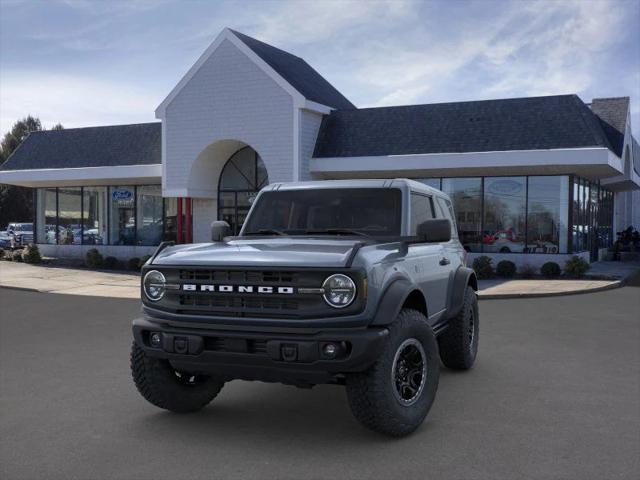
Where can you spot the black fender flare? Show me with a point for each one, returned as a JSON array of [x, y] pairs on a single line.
[[392, 300], [463, 277]]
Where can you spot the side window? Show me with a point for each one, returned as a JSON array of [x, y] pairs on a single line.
[[421, 210], [447, 212]]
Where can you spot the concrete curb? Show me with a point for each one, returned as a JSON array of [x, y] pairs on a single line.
[[505, 296], [24, 289]]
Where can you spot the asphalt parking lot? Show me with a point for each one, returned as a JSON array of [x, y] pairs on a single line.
[[555, 394]]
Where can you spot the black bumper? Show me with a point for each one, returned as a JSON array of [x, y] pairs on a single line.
[[287, 357]]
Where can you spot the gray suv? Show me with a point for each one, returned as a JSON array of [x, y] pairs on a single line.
[[360, 283]]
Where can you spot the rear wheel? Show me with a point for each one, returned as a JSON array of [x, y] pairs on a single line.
[[459, 342], [163, 386], [394, 396]]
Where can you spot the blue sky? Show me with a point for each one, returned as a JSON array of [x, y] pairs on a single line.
[[83, 63]]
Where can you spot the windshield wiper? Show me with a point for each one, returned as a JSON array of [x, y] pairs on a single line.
[[338, 231], [267, 231]]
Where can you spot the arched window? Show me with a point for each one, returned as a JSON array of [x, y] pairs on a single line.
[[242, 177]]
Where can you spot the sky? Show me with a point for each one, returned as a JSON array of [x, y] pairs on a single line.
[[86, 63]]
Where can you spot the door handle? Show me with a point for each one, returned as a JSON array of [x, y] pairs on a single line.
[[445, 261]]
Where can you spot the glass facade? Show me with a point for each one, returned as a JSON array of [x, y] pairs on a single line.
[[530, 214], [592, 216], [46, 216], [117, 215], [149, 215], [505, 201], [94, 216], [69, 216], [466, 195], [241, 179]]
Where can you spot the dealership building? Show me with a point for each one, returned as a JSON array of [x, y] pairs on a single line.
[[532, 179]]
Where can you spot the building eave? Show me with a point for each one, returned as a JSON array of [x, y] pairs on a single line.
[[594, 163], [84, 176]]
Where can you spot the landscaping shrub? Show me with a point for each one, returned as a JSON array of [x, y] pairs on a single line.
[[550, 270], [143, 260], [527, 271], [506, 269], [31, 254], [483, 268], [16, 256], [94, 258], [134, 263], [576, 266], [110, 263]]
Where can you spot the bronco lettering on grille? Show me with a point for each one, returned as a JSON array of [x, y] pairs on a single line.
[[192, 287]]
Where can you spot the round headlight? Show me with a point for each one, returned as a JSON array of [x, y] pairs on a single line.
[[339, 290], [153, 285]]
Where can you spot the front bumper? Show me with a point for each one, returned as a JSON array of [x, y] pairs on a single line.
[[294, 357]]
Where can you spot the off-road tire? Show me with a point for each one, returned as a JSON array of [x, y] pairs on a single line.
[[371, 393], [459, 342], [158, 383]]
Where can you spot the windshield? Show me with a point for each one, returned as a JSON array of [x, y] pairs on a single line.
[[22, 227], [346, 211]]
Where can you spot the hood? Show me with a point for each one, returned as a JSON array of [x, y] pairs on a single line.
[[259, 252]]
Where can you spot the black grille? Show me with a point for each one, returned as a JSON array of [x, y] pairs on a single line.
[[252, 304], [261, 277]]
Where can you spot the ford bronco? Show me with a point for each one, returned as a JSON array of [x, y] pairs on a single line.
[[360, 283]]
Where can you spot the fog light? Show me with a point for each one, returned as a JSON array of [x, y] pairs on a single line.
[[330, 350], [155, 339]]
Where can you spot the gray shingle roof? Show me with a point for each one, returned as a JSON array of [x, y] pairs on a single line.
[[114, 145], [612, 113], [298, 73], [532, 123]]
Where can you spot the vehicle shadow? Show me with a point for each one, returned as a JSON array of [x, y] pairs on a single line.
[[255, 413]]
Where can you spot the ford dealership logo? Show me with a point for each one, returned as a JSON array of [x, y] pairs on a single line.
[[122, 194]]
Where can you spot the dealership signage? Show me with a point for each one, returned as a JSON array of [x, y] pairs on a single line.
[[123, 197]]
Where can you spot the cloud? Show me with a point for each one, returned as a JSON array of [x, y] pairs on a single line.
[[73, 101], [316, 21], [533, 48]]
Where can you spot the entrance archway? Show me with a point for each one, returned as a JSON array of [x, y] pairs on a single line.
[[241, 179]]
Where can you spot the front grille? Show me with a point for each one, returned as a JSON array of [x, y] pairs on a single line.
[[251, 304], [234, 305], [264, 277]]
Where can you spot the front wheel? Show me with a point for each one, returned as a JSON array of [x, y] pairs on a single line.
[[459, 342], [163, 386], [394, 396]]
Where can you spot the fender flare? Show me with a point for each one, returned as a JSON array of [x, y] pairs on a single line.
[[392, 300], [463, 277]]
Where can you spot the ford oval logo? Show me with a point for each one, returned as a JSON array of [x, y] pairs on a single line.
[[505, 187], [122, 194]]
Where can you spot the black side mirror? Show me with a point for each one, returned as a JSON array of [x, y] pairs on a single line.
[[219, 230], [434, 230]]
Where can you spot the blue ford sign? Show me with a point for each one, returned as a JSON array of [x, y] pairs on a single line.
[[122, 194]]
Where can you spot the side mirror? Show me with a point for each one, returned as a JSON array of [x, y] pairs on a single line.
[[435, 230], [219, 230]]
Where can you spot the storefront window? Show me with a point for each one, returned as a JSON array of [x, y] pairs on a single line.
[[431, 182], [504, 215], [46, 216], [241, 179], [69, 216], [547, 216], [122, 218], [466, 195], [170, 220], [94, 217], [149, 215]]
